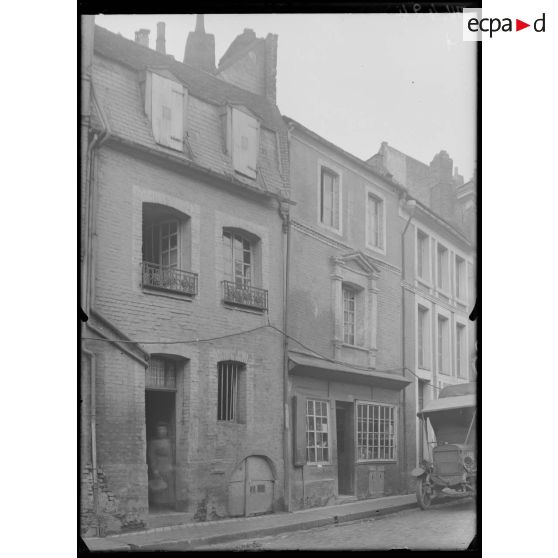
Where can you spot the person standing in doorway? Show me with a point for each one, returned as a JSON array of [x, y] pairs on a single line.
[[160, 463]]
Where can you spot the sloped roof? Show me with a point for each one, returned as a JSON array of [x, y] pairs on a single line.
[[199, 83]]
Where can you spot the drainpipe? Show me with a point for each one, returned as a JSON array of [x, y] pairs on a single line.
[[87, 299], [93, 427], [411, 204], [284, 212]]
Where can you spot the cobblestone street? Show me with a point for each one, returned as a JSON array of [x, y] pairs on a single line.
[[449, 526]]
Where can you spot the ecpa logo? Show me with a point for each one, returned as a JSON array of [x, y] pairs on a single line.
[[475, 26]]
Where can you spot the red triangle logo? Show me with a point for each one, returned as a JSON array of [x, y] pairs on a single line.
[[519, 25]]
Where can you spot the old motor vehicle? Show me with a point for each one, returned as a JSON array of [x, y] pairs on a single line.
[[451, 467]]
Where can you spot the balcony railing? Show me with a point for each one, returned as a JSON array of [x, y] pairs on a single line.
[[155, 276], [250, 297]]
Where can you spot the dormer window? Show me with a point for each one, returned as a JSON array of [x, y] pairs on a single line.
[[242, 133], [164, 105]]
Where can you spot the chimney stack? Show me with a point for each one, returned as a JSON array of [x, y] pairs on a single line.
[[160, 44], [142, 37], [442, 194], [200, 48]]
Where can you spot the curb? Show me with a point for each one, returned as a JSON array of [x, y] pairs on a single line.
[[189, 544]]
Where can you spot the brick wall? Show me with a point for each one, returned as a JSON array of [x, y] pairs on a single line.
[[207, 451]]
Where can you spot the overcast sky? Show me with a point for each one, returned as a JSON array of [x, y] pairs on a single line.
[[357, 79]]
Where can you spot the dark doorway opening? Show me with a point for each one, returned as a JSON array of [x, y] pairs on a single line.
[[160, 455], [344, 418]]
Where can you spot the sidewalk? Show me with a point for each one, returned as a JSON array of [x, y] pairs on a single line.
[[191, 535]]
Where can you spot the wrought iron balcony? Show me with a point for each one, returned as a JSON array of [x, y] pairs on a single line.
[[163, 278], [244, 295]]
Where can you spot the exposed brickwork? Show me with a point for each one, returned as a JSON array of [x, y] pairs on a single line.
[[207, 452]]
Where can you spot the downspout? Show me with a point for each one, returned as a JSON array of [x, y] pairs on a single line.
[[411, 204], [86, 299], [93, 427], [284, 212]]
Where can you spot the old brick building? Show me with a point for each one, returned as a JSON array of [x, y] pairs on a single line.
[[346, 383], [438, 276], [184, 193]]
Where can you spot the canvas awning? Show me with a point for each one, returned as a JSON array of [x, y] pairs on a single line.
[[307, 365]]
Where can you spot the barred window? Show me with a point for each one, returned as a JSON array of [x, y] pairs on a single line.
[[317, 432], [227, 393], [161, 374], [376, 432]]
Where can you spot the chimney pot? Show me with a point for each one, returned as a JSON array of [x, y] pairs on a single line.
[[160, 45], [142, 37]]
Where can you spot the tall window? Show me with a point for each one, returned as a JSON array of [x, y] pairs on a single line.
[[228, 380], [376, 432], [423, 256], [239, 259], [317, 432], [329, 198], [460, 278], [349, 320], [423, 338], [460, 351], [375, 221], [442, 267], [443, 345]]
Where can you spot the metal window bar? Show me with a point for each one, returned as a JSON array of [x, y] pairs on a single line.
[[227, 391]]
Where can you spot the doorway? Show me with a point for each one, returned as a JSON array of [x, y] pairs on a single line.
[[160, 451], [344, 419]]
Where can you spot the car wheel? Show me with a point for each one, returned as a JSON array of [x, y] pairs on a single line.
[[424, 493]]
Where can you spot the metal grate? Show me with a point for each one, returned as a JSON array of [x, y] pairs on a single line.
[[244, 295], [227, 396], [161, 374], [168, 278]]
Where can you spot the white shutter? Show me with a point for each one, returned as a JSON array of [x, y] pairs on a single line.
[[167, 111], [157, 95], [245, 136], [177, 114]]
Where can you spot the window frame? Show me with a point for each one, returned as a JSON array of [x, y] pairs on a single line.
[[424, 333], [332, 169], [447, 361], [463, 295], [461, 352], [349, 290], [372, 193], [394, 436], [444, 289], [244, 238], [427, 238], [315, 431]]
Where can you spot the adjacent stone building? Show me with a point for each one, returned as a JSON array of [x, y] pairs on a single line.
[[346, 383], [183, 207], [438, 276]]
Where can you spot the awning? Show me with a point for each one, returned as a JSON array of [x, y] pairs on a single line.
[[305, 365], [449, 404]]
